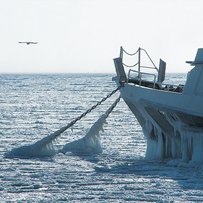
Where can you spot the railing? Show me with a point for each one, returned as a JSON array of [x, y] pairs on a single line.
[[139, 65], [141, 78]]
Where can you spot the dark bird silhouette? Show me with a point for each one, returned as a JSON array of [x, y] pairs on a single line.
[[28, 43]]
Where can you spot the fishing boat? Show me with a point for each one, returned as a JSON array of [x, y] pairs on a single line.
[[171, 116]]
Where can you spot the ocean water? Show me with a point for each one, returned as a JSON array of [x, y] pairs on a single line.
[[113, 169]]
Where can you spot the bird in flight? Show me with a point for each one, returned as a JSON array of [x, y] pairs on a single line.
[[28, 43]]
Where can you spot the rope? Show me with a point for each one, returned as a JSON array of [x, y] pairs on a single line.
[[130, 53], [61, 130], [130, 66]]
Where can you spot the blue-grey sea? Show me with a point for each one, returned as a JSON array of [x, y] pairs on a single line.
[[33, 106]]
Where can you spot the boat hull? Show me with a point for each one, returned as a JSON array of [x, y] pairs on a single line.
[[171, 118], [172, 128]]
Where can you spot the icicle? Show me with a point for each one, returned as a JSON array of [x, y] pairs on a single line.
[[91, 143]]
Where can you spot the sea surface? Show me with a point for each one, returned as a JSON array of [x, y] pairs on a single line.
[[33, 106]]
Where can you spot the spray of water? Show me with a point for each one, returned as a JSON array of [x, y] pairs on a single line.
[[44, 147]]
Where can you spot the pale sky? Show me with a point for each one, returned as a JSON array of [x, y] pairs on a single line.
[[85, 35]]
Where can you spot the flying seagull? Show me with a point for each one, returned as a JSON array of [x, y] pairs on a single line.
[[28, 43]]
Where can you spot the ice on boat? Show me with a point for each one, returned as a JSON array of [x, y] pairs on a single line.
[[171, 115]]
